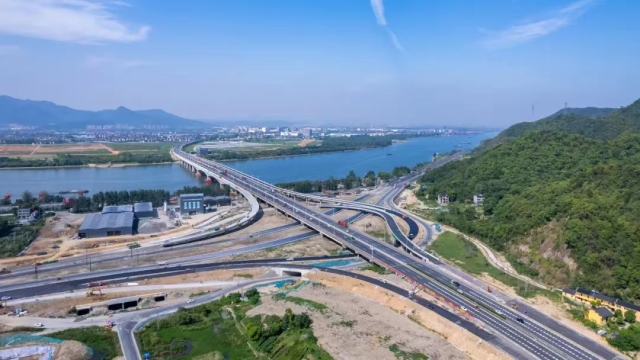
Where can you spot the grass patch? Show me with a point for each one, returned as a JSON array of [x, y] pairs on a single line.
[[15, 238], [103, 341], [377, 269], [300, 301], [21, 329], [465, 254], [246, 276], [221, 330], [142, 147], [382, 235], [345, 323], [405, 355], [199, 293]]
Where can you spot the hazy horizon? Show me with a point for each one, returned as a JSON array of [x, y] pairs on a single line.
[[361, 62]]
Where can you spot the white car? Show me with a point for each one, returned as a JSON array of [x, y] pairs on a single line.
[[499, 312], [190, 301], [5, 298], [38, 325], [460, 291], [463, 308]]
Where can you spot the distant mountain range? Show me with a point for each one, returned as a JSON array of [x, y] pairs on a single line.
[[47, 115]]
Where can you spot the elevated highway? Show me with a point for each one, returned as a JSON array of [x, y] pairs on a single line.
[[540, 336]]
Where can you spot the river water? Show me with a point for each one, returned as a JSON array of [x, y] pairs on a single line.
[[172, 177]]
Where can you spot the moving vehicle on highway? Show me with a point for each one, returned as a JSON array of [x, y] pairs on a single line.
[[454, 282], [38, 325]]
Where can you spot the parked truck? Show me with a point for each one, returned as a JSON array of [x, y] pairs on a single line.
[[343, 223]]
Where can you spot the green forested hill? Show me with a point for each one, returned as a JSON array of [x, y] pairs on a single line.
[[595, 123], [562, 206]]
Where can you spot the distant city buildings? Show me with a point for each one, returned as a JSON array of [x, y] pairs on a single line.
[[307, 133]]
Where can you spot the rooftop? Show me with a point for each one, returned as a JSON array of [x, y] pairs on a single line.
[[221, 197], [117, 209], [142, 207], [603, 298], [191, 195], [107, 221], [604, 312]]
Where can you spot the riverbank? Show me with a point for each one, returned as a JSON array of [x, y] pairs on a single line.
[[96, 166], [296, 155]]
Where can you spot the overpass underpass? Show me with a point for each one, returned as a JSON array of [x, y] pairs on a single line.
[[543, 338]]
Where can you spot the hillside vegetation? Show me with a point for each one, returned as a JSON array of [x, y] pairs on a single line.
[[563, 207], [595, 123]]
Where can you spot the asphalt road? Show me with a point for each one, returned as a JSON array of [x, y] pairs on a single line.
[[118, 255], [541, 341]]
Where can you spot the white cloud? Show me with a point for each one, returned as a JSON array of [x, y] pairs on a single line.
[[79, 21], [378, 10], [113, 62], [535, 29], [394, 40]]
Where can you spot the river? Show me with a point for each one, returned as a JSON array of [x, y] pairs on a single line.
[[173, 177]]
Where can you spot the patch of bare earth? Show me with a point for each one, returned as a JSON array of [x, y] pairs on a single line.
[[354, 327], [221, 275], [375, 226], [402, 312], [544, 250], [315, 246], [306, 142]]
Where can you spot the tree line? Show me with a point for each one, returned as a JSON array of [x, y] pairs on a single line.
[[95, 202], [573, 194], [350, 181], [78, 160], [328, 144]]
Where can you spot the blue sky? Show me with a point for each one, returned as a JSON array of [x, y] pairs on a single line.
[[324, 61]]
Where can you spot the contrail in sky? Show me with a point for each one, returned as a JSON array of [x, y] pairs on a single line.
[[378, 11]]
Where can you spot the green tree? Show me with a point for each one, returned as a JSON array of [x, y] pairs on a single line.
[[630, 316], [27, 197], [254, 332], [384, 176]]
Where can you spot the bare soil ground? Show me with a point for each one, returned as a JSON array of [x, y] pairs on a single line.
[[354, 327], [343, 214], [60, 307], [222, 275], [375, 226], [48, 150], [315, 246], [305, 142], [466, 342]]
